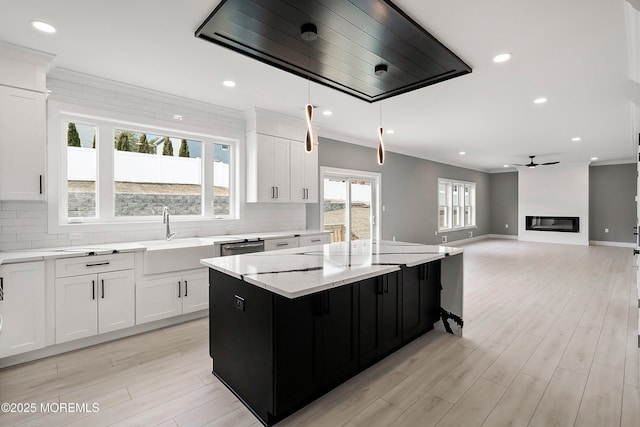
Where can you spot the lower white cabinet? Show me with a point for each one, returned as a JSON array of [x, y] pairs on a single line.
[[22, 308], [172, 295], [314, 239], [92, 304], [284, 243]]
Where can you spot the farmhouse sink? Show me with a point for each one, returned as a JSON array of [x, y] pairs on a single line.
[[164, 256]]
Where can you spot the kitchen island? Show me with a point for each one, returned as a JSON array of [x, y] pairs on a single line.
[[287, 326]]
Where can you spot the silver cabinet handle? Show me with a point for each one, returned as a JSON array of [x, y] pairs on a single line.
[[1, 288], [102, 288], [277, 193], [179, 286], [244, 246], [282, 244], [186, 288], [1, 322], [97, 264], [40, 184], [273, 192], [315, 240], [93, 289]]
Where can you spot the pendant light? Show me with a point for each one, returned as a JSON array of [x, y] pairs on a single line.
[[380, 69], [309, 32]]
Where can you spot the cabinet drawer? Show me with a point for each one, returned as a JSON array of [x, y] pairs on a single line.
[[93, 264], [316, 239], [274, 244]]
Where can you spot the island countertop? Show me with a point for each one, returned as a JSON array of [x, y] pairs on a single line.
[[297, 272]]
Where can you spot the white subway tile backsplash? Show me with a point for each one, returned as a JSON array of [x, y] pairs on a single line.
[[8, 214], [14, 222], [29, 214], [13, 246], [23, 206], [24, 229]]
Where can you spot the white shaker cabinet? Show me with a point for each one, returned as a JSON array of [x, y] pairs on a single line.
[[304, 173], [22, 308], [267, 168], [22, 144], [172, 295], [97, 302]]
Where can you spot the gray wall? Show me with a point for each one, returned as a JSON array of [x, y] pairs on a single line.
[[409, 191], [612, 191], [503, 195]]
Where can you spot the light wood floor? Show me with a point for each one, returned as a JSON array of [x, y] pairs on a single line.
[[550, 339]]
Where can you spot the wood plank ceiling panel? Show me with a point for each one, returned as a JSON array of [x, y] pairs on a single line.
[[353, 37]]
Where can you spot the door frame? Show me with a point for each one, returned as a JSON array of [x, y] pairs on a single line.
[[355, 175]]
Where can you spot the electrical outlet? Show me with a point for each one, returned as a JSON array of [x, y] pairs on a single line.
[[471, 234], [444, 239], [393, 238], [606, 230], [239, 303], [506, 226]]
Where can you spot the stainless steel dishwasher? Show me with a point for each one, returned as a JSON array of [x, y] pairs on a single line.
[[242, 248]]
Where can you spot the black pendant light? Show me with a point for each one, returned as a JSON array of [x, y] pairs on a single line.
[[309, 32]]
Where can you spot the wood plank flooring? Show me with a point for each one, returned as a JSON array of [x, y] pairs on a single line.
[[550, 340]]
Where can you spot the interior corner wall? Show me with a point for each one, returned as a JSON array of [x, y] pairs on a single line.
[[612, 190], [409, 191], [504, 203], [558, 190]]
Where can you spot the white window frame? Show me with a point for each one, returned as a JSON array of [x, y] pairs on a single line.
[[450, 183], [350, 174], [106, 123]]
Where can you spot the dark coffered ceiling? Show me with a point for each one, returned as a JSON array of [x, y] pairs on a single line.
[[353, 37]]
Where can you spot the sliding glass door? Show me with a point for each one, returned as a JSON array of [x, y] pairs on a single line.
[[349, 208]]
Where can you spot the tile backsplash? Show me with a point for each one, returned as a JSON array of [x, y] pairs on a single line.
[[23, 225]]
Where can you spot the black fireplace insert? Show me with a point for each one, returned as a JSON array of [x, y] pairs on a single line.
[[566, 224]]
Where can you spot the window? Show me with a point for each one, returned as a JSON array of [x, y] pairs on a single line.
[[114, 171], [456, 204]]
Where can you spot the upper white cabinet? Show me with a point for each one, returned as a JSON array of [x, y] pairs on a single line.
[[22, 122], [22, 144], [304, 173], [267, 169], [278, 168], [22, 308]]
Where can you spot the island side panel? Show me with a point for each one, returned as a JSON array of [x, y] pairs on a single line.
[[452, 280], [240, 340]]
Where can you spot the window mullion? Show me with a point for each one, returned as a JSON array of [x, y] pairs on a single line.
[[207, 178]]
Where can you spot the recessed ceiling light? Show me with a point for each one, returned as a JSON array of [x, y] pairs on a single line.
[[229, 83], [462, 153], [390, 131], [327, 112], [541, 100], [593, 159], [505, 166], [43, 26], [177, 117], [576, 139], [503, 57]]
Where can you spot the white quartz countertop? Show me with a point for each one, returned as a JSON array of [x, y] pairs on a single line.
[[103, 249], [302, 271]]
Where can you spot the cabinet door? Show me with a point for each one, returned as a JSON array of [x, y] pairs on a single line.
[[195, 291], [298, 182], [391, 311], [420, 299], [22, 322], [370, 314], [338, 334], [116, 306], [158, 299], [265, 158], [281, 169], [22, 144], [311, 175], [76, 307]]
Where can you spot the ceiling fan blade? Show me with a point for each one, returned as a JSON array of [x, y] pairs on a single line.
[[550, 163], [517, 164]]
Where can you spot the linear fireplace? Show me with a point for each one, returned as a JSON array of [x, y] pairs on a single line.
[[567, 224]]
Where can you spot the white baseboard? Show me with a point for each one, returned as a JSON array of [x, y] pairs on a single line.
[[465, 241], [605, 243], [98, 339], [503, 236]]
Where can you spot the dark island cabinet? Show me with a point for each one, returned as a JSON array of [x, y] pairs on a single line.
[[420, 299], [315, 344], [380, 316]]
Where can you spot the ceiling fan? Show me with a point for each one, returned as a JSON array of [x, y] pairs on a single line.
[[531, 163]]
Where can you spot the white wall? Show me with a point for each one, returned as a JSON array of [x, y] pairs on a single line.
[[555, 190], [23, 225]]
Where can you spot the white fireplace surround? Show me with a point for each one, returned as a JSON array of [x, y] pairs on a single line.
[[554, 190]]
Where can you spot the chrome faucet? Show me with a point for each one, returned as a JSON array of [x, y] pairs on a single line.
[[165, 220]]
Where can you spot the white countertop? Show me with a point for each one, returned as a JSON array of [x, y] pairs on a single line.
[[101, 249], [302, 271]]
